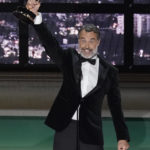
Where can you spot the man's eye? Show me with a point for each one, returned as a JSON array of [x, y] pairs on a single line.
[[92, 41], [83, 41]]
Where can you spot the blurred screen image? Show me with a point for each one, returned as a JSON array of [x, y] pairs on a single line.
[[83, 1], [8, 1], [141, 39], [142, 1], [65, 26], [9, 39]]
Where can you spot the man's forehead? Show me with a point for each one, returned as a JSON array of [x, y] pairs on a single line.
[[84, 33]]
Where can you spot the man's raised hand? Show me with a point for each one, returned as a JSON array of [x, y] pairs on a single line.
[[33, 6]]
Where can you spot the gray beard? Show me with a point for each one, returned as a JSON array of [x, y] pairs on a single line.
[[94, 53]]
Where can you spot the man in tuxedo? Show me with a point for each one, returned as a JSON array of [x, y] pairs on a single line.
[[87, 78]]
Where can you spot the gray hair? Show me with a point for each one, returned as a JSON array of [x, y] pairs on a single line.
[[90, 28]]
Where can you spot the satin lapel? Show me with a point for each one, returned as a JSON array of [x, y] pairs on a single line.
[[103, 70], [76, 67]]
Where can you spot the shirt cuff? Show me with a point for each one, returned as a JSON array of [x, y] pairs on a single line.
[[38, 19]]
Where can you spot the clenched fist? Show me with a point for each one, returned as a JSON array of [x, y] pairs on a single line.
[[33, 6]]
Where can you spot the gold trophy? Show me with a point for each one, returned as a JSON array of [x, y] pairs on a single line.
[[24, 15]]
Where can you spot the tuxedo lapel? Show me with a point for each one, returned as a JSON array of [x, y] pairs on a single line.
[[76, 67], [103, 70]]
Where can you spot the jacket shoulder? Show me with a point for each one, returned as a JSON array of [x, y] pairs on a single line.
[[109, 65]]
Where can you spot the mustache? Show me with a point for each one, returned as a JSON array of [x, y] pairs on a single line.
[[86, 49]]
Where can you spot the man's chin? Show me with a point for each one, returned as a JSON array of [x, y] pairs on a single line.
[[87, 55]]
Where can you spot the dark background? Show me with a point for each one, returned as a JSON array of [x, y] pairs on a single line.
[[124, 28]]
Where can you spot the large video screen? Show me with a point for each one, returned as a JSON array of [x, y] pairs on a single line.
[[8, 1], [142, 39], [9, 39], [142, 1], [65, 26], [84, 1]]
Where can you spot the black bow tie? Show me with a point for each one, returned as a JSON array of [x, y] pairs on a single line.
[[92, 61]]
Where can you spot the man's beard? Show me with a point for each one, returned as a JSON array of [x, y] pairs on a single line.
[[93, 52]]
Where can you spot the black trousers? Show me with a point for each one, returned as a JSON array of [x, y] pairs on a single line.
[[67, 140]]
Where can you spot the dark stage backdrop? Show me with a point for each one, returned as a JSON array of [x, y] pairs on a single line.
[[84, 1], [9, 39], [142, 1], [141, 39], [65, 26], [8, 1], [124, 27]]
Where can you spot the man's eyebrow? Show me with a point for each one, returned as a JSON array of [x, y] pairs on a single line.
[[81, 37], [93, 39], [90, 38]]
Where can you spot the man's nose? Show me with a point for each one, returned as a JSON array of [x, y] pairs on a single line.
[[87, 45]]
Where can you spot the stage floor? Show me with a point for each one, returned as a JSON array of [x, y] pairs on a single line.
[[30, 133]]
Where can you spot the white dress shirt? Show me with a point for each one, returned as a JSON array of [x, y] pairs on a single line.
[[89, 79], [89, 72]]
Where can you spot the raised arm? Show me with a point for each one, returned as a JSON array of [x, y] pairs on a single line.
[[50, 43]]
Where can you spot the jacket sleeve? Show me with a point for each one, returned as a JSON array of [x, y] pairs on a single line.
[[114, 103], [51, 45]]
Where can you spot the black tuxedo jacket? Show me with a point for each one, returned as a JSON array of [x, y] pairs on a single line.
[[69, 96]]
